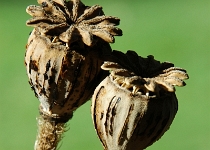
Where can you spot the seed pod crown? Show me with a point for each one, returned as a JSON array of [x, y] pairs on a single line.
[[145, 75], [70, 21]]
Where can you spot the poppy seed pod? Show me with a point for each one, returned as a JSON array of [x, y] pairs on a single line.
[[62, 78], [136, 104], [64, 53]]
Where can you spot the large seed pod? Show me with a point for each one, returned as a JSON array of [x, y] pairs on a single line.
[[62, 78], [130, 110], [65, 52]]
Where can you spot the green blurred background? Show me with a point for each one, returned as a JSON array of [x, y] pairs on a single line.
[[176, 31]]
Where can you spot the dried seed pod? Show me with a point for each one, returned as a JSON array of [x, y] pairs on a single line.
[[132, 112], [64, 53], [60, 67], [62, 78]]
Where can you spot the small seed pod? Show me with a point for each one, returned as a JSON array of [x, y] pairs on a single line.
[[135, 105]]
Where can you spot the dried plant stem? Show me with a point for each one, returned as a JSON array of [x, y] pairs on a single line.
[[49, 134]]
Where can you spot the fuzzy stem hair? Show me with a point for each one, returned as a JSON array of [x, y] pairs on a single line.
[[49, 134]]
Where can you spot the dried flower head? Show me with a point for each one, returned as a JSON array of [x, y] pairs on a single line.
[[71, 21], [62, 78], [136, 104], [64, 54], [62, 70]]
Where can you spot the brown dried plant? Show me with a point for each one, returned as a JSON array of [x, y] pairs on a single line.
[[64, 53], [131, 108], [136, 104]]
